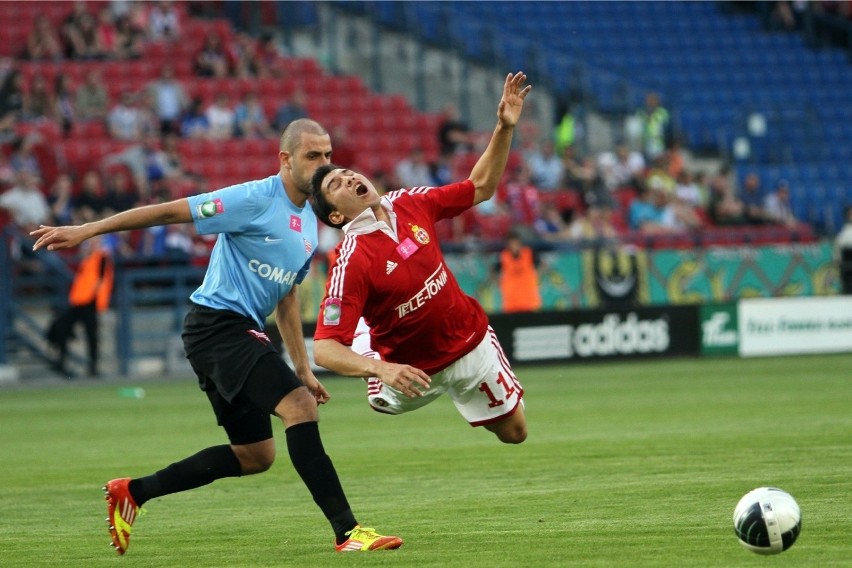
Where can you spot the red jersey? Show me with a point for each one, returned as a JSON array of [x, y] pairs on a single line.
[[397, 279]]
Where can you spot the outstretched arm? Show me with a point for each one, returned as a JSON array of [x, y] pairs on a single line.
[[488, 170], [170, 213], [340, 359]]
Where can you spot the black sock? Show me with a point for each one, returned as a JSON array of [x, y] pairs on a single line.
[[204, 467], [318, 473]]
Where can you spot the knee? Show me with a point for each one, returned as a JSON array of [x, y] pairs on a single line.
[[513, 435], [256, 462], [298, 406]]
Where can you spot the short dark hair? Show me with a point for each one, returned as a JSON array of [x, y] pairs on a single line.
[[322, 208]]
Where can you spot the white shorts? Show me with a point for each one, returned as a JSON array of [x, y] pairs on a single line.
[[481, 384]]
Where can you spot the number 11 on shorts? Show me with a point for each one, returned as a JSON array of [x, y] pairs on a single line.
[[508, 389]]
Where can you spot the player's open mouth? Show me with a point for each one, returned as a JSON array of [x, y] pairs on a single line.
[[360, 190]]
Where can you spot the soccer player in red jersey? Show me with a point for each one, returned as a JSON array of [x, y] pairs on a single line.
[[430, 336]]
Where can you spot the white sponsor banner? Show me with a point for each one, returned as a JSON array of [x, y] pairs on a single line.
[[782, 326]]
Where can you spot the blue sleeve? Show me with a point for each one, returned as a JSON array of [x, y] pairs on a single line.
[[227, 210]]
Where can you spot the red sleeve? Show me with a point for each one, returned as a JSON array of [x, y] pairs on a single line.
[[450, 200], [345, 294]]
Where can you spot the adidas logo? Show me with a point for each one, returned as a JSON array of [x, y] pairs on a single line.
[[390, 266]]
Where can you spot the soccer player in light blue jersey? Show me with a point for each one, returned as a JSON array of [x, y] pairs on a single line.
[[267, 237]]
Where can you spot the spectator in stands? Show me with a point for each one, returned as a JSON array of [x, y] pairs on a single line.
[[170, 98], [291, 110], [11, 100], [163, 22], [81, 35], [124, 120], [92, 100], [552, 224], [724, 207], [520, 196], [653, 124], [23, 156], [651, 212], [194, 123], [43, 41], [413, 170], [567, 131], [39, 103], [11, 104], [129, 41], [221, 116], [120, 194], [90, 202], [581, 175], [148, 164], [675, 160], [441, 170], [26, 202], [175, 165], [594, 225], [251, 118], [267, 61], [243, 52], [137, 16], [63, 97], [688, 192], [621, 168], [60, 202], [454, 134], [751, 195], [517, 270], [148, 113], [106, 33], [777, 207], [546, 168], [212, 59]]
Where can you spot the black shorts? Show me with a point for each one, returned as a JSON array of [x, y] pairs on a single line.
[[237, 366]]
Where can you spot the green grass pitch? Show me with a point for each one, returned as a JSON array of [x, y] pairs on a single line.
[[627, 464]]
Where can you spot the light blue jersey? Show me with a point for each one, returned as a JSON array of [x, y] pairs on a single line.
[[264, 247]]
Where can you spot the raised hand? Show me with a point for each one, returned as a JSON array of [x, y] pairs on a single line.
[[512, 102]]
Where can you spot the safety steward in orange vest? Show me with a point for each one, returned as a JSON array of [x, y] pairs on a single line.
[[90, 294], [519, 284]]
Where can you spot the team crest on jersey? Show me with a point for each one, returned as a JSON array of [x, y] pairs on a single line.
[[210, 208], [331, 311], [308, 246], [420, 234]]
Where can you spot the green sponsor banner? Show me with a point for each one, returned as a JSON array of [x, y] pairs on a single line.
[[721, 274], [719, 329], [627, 275]]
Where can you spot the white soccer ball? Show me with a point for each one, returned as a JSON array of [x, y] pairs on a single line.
[[767, 520]]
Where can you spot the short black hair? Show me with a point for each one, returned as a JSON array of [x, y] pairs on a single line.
[[322, 208]]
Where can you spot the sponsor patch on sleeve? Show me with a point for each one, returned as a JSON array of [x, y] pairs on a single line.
[[210, 208], [331, 311]]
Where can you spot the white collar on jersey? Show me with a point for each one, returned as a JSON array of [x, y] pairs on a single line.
[[367, 222]]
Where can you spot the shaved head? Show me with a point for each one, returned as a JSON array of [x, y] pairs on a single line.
[[292, 135]]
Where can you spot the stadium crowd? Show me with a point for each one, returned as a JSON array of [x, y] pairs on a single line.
[[553, 193]]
